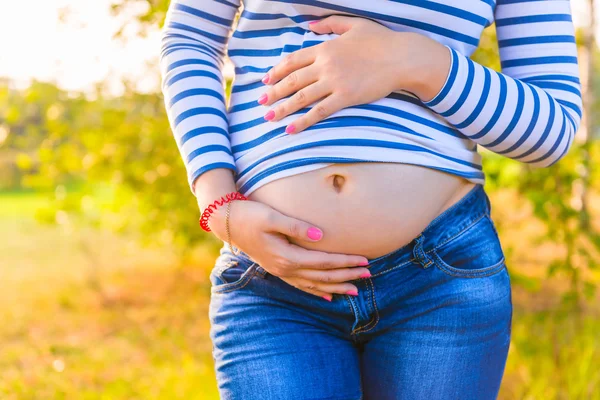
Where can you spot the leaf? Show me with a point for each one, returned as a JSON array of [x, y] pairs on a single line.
[[24, 162], [589, 290], [530, 284]]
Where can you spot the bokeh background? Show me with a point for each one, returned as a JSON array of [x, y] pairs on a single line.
[[103, 268]]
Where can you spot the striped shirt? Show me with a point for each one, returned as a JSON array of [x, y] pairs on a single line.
[[529, 112]]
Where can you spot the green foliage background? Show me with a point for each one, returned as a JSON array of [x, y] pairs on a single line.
[[110, 164]]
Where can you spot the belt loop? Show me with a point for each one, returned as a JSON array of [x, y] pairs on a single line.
[[419, 253], [261, 271]]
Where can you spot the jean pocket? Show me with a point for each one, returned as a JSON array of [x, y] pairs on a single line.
[[475, 252], [231, 273]]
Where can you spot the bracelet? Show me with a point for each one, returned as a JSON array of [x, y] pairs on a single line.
[[217, 203], [227, 213]]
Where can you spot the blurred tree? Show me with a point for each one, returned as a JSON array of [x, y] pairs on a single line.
[[589, 45], [109, 161], [149, 13]]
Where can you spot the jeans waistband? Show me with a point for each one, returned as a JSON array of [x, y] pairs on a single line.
[[448, 224]]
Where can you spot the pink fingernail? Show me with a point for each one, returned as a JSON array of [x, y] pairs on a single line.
[[363, 263], [290, 129], [270, 115], [312, 22], [314, 233], [328, 298], [265, 79], [366, 275], [352, 292], [263, 99]]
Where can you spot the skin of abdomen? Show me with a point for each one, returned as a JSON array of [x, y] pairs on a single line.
[[367, 209]]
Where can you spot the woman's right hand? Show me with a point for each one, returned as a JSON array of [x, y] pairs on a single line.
[[262, 233]]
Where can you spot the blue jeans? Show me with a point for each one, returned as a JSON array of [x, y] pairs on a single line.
[[433, 322]]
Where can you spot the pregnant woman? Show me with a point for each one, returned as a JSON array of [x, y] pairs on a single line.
[[363, 260]]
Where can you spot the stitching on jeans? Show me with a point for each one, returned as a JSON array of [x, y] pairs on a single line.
[[353, 309], [376, 309], [359, 328], [261, 271], [367, 327], [239, 284], [349, 301], [347, 298], [393, 268], [375, 319], [481, 273], [228, 265], [459, 233]]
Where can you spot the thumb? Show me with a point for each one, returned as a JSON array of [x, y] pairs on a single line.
[[294, 228], [334, 24]]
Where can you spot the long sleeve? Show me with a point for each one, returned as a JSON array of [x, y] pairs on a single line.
[[191, 59], [531, 110]]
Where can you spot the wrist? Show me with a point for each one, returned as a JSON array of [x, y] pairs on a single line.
[[213, 184], [425, 65], [217, 206], [216, 223]]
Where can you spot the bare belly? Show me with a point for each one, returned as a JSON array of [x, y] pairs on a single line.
[[368, 209]]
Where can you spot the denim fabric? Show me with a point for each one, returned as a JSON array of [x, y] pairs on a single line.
[[433, 322]]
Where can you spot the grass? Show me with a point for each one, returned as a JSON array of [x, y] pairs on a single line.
[[553, 357], [142, 336], [90, 315], [19, 204]]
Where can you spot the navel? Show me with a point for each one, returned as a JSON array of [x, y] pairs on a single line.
[[338, 182]]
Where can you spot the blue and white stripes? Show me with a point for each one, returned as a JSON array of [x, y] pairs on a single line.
[[529, 112]]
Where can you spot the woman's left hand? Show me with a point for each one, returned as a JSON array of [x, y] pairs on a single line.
[[366, 63]]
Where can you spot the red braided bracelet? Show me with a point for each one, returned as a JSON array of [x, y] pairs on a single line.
[[217, 203]]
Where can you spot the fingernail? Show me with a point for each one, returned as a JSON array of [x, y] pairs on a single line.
[[290, 129], [262, 99], [328, 298], [265, 79], [312, 22], [363, 263], [314, 233], [270, 115], [366, 275], [352, 292]]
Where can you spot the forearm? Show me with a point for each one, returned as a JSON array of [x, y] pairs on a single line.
[[210, 186], [528, 112], [508, 116], [425, 65]]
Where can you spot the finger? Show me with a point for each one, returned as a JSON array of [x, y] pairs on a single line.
[[318, 112], [292, 62], [340, 288], [293, 228], [302, 98], [300, 257], [326, 296], [335, 24], [293, 82], [334, 275]]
